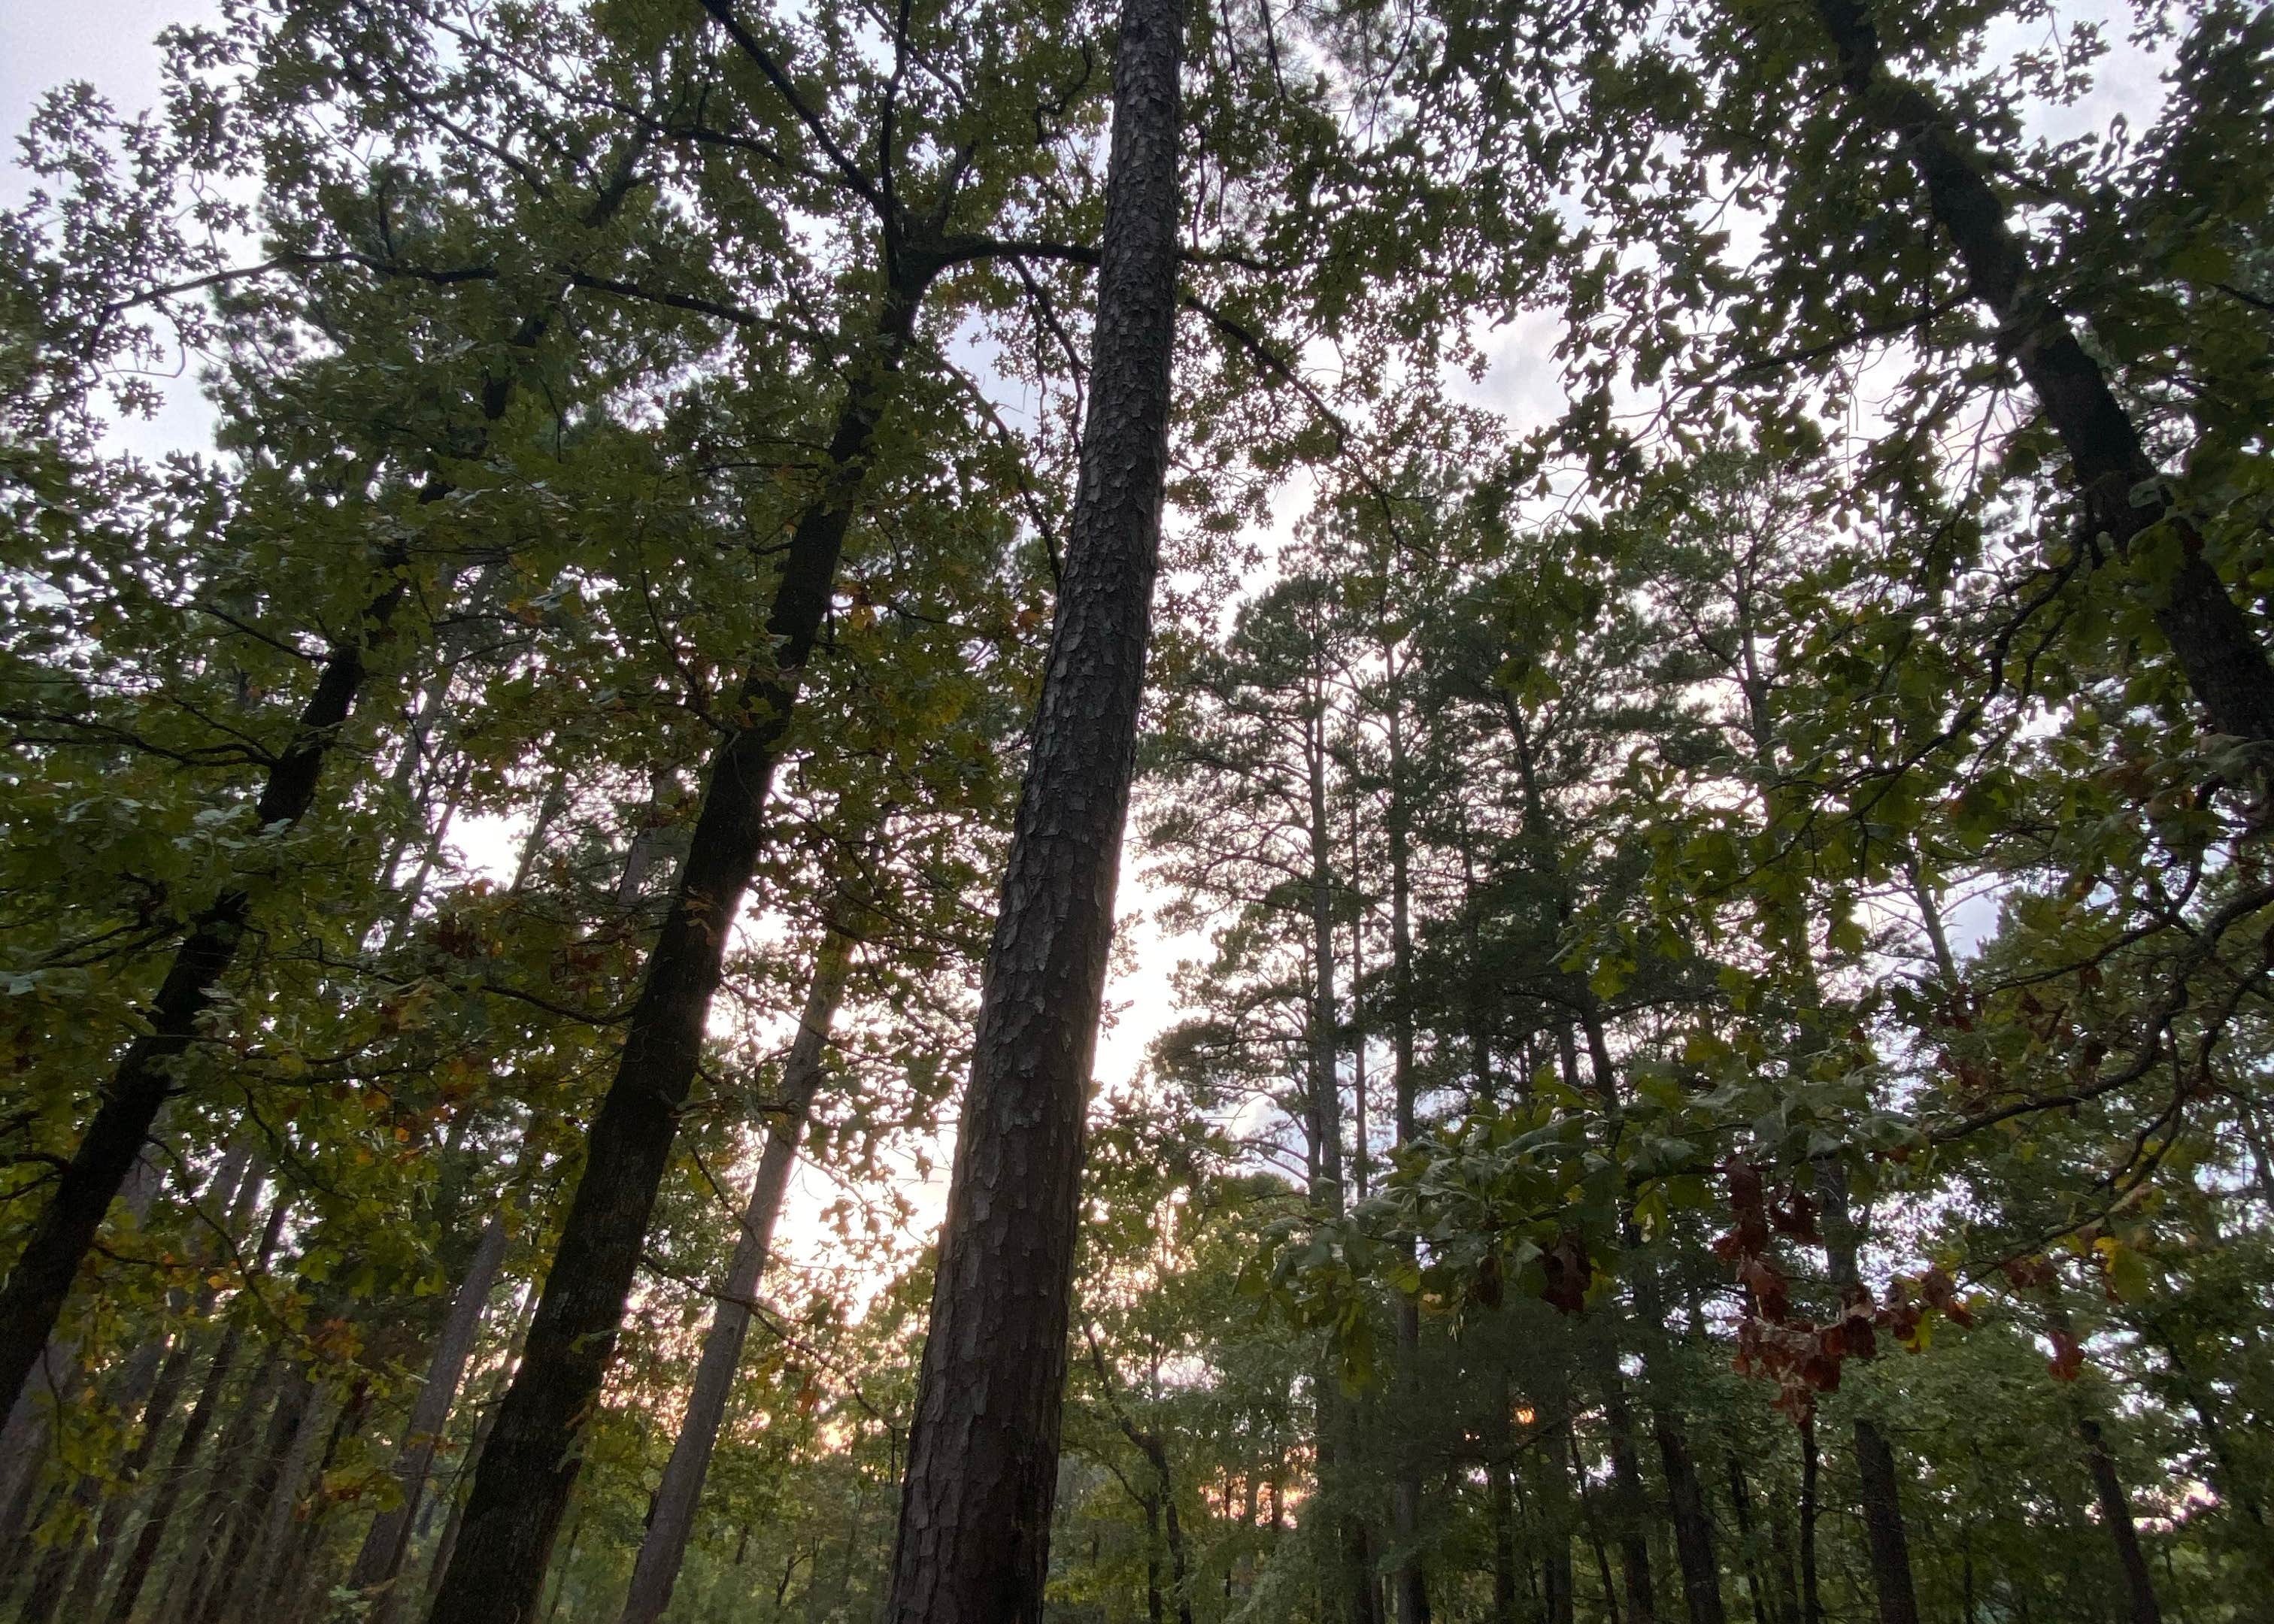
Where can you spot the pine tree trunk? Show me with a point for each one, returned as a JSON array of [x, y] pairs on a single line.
[[671, 1518], [527, 1471], [973, 1536], [1339, 1420], [2219, 649], [379, 1559]]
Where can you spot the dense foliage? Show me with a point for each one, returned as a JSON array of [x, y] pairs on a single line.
[[1708, 757]]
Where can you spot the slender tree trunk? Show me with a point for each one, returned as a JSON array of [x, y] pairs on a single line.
[[671, 1518], [1811, 1598], [1337, 1414], [298, 1587], [181, 1463], [2216, 645], [1693, 1523], [455, 1521], [1632, 1504], [234, 1190], [24, 1440], [1875, 1461], [1362, 1136], [1552, 1414], [1741, 1501], [379, 1559], [1154, 1612], [1410, 1582], [261, 1586], [1593, 1524], [972, 1544], [1500, 1481], [522, 1483], [226, 1563], [136, 1383], [1788, 1579], [2116, 1517]]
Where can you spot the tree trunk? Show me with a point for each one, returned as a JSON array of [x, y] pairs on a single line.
[[455, 1521], [1499, 1439], [2216, 645], [526, 1473], [1875, 1461], [972, 1544], [1411, 1583], [671, 1518], [1741, 1501], [258, 1585], [1345, 1527], [381, 1557], [1593, 1524], [2116, 1517], [1811, 1598], [237, 1502], [235, 1188], [1693, 1523], [32, 1300], [180, 1464], [137, 1383], [24, 1440], [1632, 1504], [1154, 1613]]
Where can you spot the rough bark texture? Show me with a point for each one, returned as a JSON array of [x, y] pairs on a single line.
[[381, 1557], [528, 1467], [974, 1537], [672, 1519], [2216, 647]]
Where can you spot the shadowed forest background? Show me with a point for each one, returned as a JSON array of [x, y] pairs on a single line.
[[1698, 877]]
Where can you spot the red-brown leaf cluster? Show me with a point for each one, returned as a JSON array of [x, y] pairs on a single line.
[[1802, 1358]]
